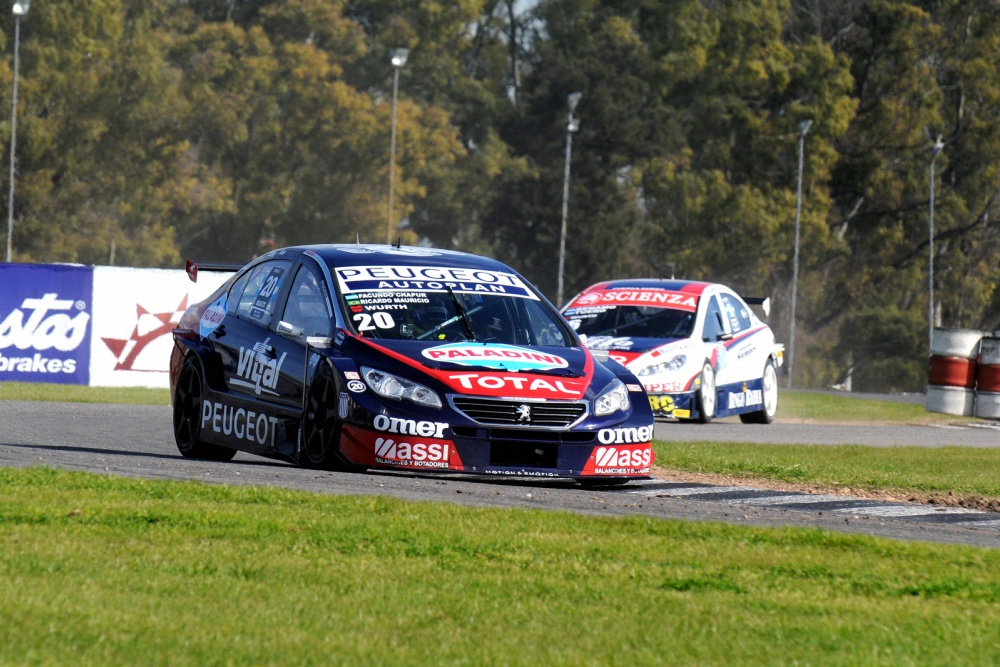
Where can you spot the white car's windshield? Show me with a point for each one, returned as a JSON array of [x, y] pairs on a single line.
[[631, 321]]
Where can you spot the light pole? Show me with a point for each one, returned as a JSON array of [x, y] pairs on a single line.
[[19, 8], [398, 59], [803, 130], [938, 145], [572, 125]]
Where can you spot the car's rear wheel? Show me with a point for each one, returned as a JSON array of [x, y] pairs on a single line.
[[187, 416], [321, 425], [769, 384], [706, 395]]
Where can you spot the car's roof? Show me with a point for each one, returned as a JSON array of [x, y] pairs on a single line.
[[352, 254], [695, 287]]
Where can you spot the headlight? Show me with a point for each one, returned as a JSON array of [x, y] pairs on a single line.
[[674, 364], [614, 398], [395, 387]]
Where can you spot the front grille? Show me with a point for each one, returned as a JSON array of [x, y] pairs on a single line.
[[505, 412]]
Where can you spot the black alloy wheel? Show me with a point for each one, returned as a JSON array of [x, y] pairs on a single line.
[[321, 425], [187, 417]]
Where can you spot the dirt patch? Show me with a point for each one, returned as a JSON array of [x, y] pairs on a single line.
[[940, 499]]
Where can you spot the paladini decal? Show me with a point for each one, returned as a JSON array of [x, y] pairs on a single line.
[[499, 357]]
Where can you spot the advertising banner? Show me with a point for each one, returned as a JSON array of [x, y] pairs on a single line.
[[134, 312], [46, 313]]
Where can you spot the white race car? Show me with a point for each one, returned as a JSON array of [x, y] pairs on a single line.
[[698, 349]]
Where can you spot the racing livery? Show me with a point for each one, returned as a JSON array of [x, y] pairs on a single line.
[[698, 349], [400, 358]]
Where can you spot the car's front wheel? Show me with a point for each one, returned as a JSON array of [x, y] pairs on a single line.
[[321, 425], [769, 390], [706, 395], [187, 416]]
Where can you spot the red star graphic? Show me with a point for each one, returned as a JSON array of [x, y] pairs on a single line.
[[127, 350]]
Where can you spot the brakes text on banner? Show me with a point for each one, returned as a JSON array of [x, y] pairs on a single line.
[[45, 323]]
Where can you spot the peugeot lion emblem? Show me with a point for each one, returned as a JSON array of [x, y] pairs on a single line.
[[523, 413]]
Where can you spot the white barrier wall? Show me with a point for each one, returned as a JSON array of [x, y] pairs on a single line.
[[134, 311], [101, 326]]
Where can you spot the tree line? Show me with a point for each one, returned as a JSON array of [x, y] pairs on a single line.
[[153, 130]]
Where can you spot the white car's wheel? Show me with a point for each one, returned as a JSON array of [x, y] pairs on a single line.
[[706, 395], [770, 391]]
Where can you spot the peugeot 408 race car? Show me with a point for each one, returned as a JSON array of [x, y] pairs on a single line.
[[355, 357], [698, 349]]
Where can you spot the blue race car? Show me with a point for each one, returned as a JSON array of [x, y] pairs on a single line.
[[349, 357]]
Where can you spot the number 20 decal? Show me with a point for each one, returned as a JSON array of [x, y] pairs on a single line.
[[381, 321]]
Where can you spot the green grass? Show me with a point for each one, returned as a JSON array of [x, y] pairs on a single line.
[[964, 470], [100, 570], [32, 391], [844, 408]]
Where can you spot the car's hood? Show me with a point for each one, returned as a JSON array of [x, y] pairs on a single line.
[[491, 369], [626, 350]]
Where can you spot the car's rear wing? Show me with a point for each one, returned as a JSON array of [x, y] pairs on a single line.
[[192, 268], [762, 301]]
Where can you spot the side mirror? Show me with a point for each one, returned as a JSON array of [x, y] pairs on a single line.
[[289, 329]]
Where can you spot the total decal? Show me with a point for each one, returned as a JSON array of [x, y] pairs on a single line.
[[45, 323], [638, 297], [620, 460], [397, 445], [521, 386], [431, 279]]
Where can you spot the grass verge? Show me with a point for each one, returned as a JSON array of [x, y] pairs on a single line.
[[73, 393], [103, 570], [962, 470]]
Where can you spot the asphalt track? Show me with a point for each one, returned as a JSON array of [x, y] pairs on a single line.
[[137, 441]]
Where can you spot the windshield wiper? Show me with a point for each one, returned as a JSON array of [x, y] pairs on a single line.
[[460, 309]]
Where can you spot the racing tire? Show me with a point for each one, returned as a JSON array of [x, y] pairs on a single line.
[[321, 426], [769, 389], [707, 394], [187, 416]]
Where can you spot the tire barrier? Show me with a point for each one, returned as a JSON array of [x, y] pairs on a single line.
[[953, 371], [988, 379]]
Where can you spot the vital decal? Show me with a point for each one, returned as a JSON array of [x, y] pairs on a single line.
[[431, 279], [500, 357], [258, 368]]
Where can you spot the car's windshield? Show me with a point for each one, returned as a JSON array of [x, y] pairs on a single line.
[[453, 312], [631, 321]]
